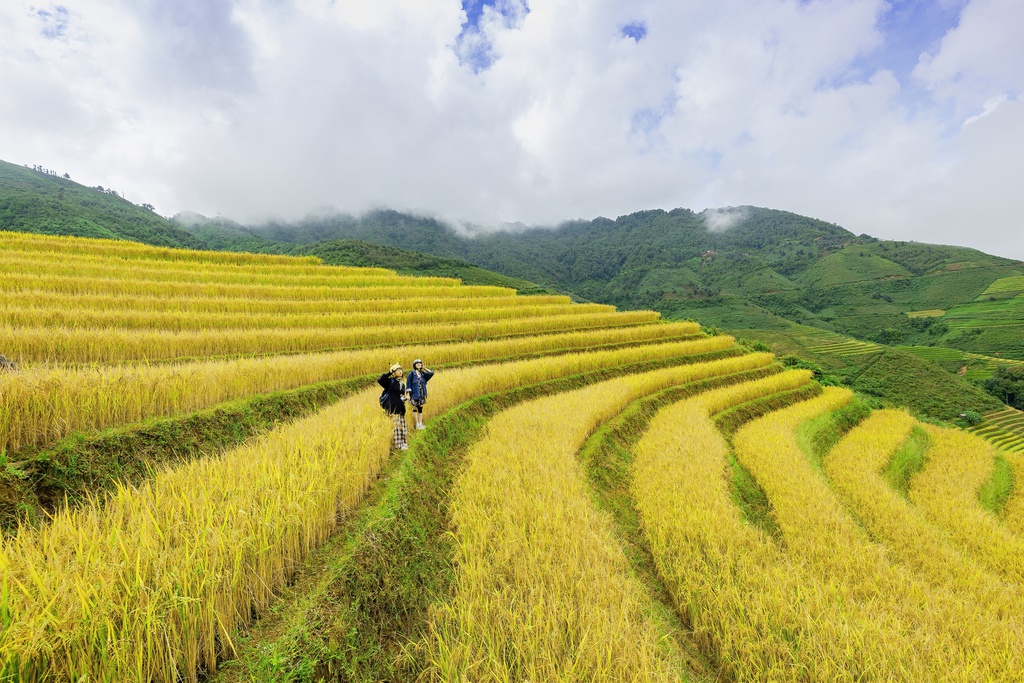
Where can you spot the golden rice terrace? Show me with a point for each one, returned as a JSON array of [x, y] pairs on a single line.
[[198, 484]]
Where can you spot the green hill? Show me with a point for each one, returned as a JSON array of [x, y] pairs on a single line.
[[39, 202], [851, 264]]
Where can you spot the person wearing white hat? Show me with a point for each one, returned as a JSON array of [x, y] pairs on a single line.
[[417, 383], [392, 400]]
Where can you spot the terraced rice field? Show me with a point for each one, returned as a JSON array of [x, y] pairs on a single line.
[[850, 348], [1004, 429], [597, 495], [998, 313], [1005, 285], [979, 366]]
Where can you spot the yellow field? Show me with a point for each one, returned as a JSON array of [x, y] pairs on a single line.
[[760, 613], [116, 249], [946, 491], [961, 640], [22, 315], [113, 345], [1013, 513], [543, 590], [150, 582], [231, 306], [41, 405], [783, 565], [16, 283]]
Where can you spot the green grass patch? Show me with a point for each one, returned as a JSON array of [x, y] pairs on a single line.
[[752, 501], [729, 421], [1012, 284], [902, 379], [747, 494], [852, 264], [998, 489], [365, 607], [817, 436], [907, 461]]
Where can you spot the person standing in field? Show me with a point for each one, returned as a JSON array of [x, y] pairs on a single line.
[[417, 383], [392, 400]]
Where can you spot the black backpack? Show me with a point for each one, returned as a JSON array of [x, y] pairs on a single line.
[[386, 402]]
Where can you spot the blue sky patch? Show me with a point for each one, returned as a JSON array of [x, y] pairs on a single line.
[[473, 46], [909, 28], [635, 30], [55, 21]]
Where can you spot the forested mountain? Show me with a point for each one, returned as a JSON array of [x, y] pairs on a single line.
[[41, 201]]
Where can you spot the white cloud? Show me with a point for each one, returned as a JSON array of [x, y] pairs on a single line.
[[258, 108], [720, 220]]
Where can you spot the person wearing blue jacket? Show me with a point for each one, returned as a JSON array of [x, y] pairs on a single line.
[[392, 400], [417, 384]]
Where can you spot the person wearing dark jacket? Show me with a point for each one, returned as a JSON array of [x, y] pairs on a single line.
[[392, 400], [417, 384]]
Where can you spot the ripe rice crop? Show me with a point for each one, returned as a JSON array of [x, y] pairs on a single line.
[[134, 250], [110, 269], [855, 465], [946, 490], [34, 260], [72, 285], [17, 314], [760, 613], [229, 306], [925, 627], [543, 591], [152, 583], [41, 405], [57, 345]]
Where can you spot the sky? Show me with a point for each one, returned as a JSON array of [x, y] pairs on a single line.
[[902, 119]]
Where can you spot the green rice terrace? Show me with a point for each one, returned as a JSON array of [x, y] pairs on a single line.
[[1004, 429]]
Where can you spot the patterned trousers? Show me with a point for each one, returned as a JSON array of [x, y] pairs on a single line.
[[400, 435]]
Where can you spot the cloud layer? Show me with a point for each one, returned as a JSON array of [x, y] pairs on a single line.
[[513, 112]]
